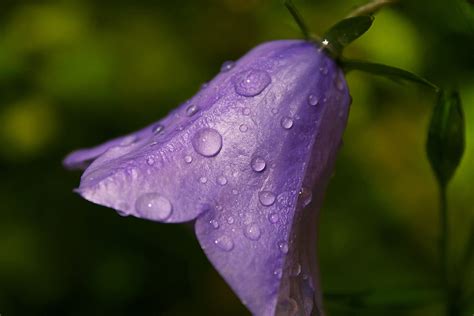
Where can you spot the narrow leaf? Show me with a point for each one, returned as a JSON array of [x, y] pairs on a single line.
[[445, 143], [345, 32], [390, 72], [371, 7]]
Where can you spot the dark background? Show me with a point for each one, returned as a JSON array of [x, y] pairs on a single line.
[[74, 73]]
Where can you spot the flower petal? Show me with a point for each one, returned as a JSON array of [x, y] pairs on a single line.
[[240, 156]]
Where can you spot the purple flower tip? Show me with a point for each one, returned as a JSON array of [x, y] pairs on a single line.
[[240, 158]]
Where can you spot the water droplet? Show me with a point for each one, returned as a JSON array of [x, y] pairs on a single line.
[[225, 243], [128, 140], [243, 128], [235, 192], [306, 196], [227, 65], [339, 83], [188, 159], [122, 213], [275, 110], [313, 100], [252, 232], [154, 206], [267, 198], [246, 111], [214, 223], [191, 110], [296, 270], [324, 70], [150, 161], [203, 180], [288, 307], [286, 122], [278, 273], [273, 218], [230, 220], [251, 82], [207, 142], [258, 164], [283, 246], [157, 129], [222, 180]]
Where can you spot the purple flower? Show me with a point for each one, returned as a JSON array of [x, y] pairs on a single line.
[[240, 158]]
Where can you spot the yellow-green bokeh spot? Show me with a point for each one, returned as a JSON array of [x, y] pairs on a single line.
[[26, 128]]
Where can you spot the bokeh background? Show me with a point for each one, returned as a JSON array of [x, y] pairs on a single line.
[[74, 73]]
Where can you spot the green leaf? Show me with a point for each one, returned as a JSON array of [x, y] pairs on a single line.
[[445, 143], [345, 32], [385, 71]]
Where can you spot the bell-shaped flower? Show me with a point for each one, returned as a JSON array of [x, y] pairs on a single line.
[[248, 159]]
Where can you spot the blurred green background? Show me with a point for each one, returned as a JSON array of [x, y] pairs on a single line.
[[74, 73]]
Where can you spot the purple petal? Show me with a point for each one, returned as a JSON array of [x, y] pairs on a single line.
[[240, 157]]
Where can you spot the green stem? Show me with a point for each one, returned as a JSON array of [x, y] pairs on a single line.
[[298, 18], [451, 291], [443, 240]]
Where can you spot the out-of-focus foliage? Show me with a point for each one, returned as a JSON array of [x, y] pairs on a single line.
[[76, 72]]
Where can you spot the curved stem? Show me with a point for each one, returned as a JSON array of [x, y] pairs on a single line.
[[298, 18], [371, 7]]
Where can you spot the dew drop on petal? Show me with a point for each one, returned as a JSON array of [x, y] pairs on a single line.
[[122, 213], [251, 82], [258, 164], [128, 140], [267, 198], [283, 246], [207, 142], [227, 65], [246, 111], [203, 180], [286, 122], [288, 307], [154, 206], [306, 195], [150, 161], [230, 220], [252, 232], [243, 128], [273, 218], [225, 243], [222, 180], [278, 273], [296, 270], [157, 129], [188, 159], [191, 110], [339, 83], [324, 70], [214, 223], [313, 100]]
